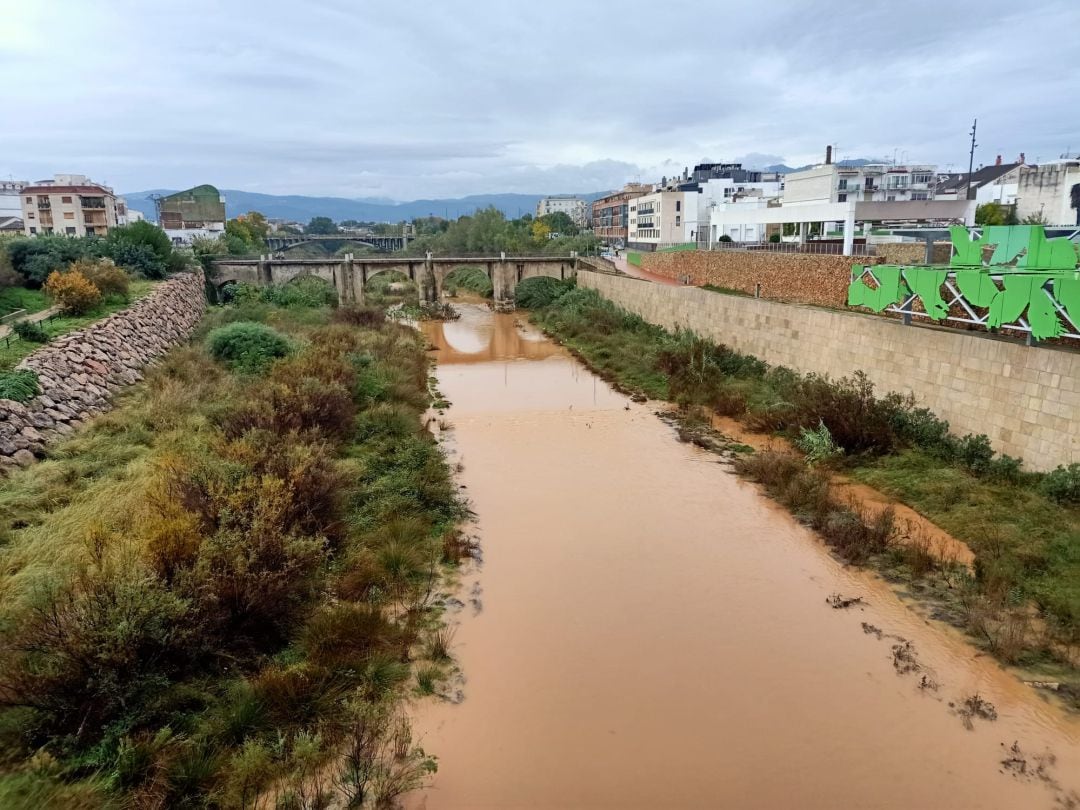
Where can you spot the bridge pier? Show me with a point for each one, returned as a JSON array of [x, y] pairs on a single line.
[[429, 289]]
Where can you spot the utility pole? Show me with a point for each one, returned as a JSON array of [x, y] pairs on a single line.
[[971, 158]]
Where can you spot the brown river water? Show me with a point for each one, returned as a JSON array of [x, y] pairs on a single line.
[[647, 630]]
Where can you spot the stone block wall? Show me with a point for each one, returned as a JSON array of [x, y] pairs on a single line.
[[77, 372], [795, 277], [1025, 398]]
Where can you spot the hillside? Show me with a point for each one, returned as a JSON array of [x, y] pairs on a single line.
[[302, 208]]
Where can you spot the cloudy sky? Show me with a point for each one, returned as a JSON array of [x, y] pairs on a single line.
[[405, 100]]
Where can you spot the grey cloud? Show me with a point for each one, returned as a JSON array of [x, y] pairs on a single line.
[[371, 99]]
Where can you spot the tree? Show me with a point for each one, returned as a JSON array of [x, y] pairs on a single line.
[[34, 259], [991, 213], [560, 222], [246, 233], [139, 233], [321, 225], [8, 276], [1037, 218], [540, 230]]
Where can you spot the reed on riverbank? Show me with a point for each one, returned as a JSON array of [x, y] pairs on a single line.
[[214, 593], [1024, 528]]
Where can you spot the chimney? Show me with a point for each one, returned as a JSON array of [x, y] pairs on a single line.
[[998, 161], [1021, 158], [828, 154]]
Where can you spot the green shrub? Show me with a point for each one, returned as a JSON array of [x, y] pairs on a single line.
[[138, 258], [21, 385], [858, 422], [31, 331], [305, 291], [105, 275], [818, 444], [775, 238], [247, 346], [1062, 484], [541, 291]]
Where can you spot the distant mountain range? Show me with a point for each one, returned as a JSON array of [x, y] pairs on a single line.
[[299, 208]]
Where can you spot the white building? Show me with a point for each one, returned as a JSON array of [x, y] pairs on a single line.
[[662, 218], [573, 207], [69, 204], [831, 182], [9, 198], [1046, 191]]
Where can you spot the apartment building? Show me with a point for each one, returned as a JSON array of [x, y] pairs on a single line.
[[573, 207], [664, 217], [9, 197], [611, 214], [831, 182], [198, 211], [69, 204], [1051, 192]]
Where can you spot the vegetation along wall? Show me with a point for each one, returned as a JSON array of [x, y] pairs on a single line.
[[77, 372], [798, 277], [1024, 398]]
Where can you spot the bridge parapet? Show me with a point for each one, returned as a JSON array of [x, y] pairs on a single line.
[[350, 274]]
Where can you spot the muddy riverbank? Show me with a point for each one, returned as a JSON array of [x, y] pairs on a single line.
[[647, 630]]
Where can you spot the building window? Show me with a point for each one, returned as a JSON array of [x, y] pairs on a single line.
[[66, 200], [891, 198], [678, 205], [841, 197], [919, 195], [69, 215], [70, 231], [33, 230], [678, 220], [90, 231], [29, 199], [29, 214], [843, 184]]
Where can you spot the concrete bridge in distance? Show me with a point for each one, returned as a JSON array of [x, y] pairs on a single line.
[[349, 275], [383, 243]]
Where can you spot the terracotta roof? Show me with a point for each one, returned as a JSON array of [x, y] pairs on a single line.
[[96, 190]]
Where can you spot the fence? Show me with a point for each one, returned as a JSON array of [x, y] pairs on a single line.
[[821, 248], [13, 337]]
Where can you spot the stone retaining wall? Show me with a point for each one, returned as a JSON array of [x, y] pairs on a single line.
[[795, 277], [1025, 398], [912, 253], [78, 371]]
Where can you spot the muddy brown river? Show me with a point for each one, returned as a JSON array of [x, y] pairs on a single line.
[[647, 630]]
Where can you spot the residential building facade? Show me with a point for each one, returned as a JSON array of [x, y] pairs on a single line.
[[1047, 192], [662, 218], [69, 204], [872, 182], [611, 214], [573, 207], [198, 211]]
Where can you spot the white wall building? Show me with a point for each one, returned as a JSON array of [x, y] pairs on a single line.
[[9, 197], [875, 182], [662, 218], [69, 204], [999, 183], [573, 207], [1046, 191]]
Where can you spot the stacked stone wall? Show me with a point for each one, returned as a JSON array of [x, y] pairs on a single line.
[[794, 277], [79, 371]]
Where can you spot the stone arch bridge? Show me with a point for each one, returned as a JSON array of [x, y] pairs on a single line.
[[349, 275], [384, 243]]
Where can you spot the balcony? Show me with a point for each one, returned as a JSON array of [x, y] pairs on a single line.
[[92, 202]]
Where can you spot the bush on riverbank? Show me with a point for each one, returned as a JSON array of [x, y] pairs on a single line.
[[215, 590], [471, 279], [541, 291], [1024, 528]]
